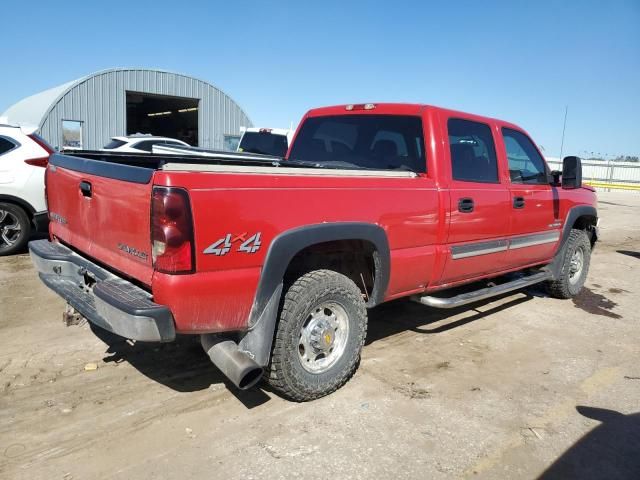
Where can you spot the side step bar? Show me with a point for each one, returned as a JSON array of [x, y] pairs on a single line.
[[481, 294]]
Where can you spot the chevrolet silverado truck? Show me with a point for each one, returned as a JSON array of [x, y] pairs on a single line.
[[275, 262]]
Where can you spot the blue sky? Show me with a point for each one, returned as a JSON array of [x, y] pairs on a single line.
[[519, 61]]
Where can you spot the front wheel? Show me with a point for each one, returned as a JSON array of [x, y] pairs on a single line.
[[15, 229], [575, 266], [321, 330]]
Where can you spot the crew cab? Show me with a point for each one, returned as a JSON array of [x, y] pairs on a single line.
[[275, 262]]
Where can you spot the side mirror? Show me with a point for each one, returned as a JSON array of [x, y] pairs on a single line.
[[571, 172]]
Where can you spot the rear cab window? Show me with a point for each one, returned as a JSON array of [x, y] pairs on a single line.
[[378, 142], [265, 143], [473, 151]]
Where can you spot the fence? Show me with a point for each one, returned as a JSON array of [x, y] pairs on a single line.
[[608, 175]]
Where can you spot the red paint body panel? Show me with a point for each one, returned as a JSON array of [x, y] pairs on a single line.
[[419, 215], [222, 203], [117, 213], [208, 301]]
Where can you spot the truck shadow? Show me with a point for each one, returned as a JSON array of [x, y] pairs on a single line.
[[629, 253], [401, 315], [181, 365], [610, 450]]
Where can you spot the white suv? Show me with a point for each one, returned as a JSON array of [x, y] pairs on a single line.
[[140, 143], [23, 209]]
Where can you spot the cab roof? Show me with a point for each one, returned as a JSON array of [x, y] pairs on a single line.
[[400, 109]]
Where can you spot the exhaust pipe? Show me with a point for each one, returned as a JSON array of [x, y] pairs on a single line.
[[236, 365]]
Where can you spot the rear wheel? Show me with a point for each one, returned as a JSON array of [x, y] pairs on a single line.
[[15, 229], [322, 327], [575, 266]]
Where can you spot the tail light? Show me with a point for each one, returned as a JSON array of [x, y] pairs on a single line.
[[172, 244], [40, 161]]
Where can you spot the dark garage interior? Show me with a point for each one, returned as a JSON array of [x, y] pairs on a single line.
[[175, 117]]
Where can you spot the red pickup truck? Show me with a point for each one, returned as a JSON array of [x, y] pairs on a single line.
[[274, 262]]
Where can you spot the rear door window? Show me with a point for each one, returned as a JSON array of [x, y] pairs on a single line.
[[473, 152], [146, 145], [379, 142], [526, 165]]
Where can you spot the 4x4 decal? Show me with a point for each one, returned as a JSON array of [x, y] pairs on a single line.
[[225, 244]]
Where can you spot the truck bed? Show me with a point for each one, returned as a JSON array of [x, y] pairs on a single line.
[[156, 161]]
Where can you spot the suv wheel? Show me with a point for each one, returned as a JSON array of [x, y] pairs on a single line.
[[575, 266], [15, 228], [321, 330]]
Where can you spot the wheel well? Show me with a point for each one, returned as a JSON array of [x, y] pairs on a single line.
[[586, 222], [356, 259], [28, 209]]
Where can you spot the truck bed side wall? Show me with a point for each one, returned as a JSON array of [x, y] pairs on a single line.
[[220, 296]]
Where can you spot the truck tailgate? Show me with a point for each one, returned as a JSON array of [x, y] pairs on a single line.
[[102, 210]]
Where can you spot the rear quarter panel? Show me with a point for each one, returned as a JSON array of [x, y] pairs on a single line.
[[220, 295]]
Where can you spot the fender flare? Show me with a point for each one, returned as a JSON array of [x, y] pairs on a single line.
[[262, 319], [573, 214]]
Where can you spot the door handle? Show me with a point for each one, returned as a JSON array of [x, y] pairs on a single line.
[[85, 188], [518, 202], [465, 205]]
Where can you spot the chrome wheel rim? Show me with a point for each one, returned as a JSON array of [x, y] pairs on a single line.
[[323, 337], [576, 265], [10, 229]]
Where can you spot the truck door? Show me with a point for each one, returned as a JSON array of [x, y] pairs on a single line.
[[535, 225], [479, 202]]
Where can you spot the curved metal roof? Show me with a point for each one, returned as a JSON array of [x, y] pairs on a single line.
[[32, 111]]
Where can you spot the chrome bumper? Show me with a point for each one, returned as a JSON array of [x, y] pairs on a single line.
[[103, 298]]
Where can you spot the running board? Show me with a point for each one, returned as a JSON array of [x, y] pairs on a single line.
[[481, 294]]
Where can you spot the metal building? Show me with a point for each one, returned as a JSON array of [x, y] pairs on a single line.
[[87, 112]]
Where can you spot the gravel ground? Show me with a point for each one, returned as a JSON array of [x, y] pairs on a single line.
[[518, 387]]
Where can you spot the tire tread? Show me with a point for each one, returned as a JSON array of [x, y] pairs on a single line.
[[560, 287], [305, 291]]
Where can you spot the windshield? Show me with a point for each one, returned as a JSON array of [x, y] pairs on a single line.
[[380, 142], [114, 144], [265, 143]]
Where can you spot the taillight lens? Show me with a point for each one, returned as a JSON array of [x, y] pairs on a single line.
[[171, 231], [40, 161]]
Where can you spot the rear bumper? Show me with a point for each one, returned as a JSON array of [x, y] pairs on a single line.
[[105, 299]]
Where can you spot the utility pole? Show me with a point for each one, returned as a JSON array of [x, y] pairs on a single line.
[[564, 126]]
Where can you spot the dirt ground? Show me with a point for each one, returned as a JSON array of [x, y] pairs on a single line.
[[518, 387]]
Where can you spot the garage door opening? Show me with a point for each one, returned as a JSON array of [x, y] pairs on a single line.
[[175, 117]]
